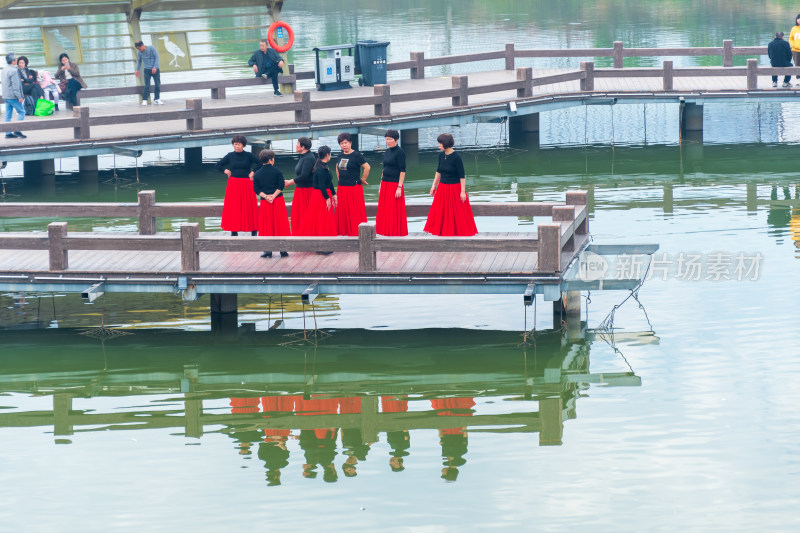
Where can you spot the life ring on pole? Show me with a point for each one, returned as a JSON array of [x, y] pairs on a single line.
[[274, 26]]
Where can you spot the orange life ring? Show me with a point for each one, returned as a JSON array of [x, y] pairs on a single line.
[[274, 26]]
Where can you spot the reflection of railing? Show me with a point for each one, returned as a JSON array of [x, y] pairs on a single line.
[[568, 222]]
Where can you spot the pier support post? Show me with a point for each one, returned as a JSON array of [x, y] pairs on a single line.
[[409, 136], [224, 303], [552, 426], [87, 164], [32, 171], [569, 305], [691, 120], [752, 197], [668, 199], [523, 131], [193, 157], [224, 313], [193, 407]]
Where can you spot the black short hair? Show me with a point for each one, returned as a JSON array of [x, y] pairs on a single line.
[[62, 56], [305, 142], [239, 139], [266, 156], [344, 137], [446, 140], [394, 134], [137, 44], [25, 59]]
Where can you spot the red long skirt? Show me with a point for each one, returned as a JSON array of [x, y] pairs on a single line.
[[449, 216], [272, 218], [318, 221], [299, 205], [240, 208], [350, 211], [391, 220]]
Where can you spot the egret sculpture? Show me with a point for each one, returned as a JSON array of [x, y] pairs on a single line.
[[173, 49]]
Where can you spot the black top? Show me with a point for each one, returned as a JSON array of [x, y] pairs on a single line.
[[268, 179], [394, 162], [239, 163], [451, 168], [323, 180], [780, 53], [303, 171], [267, 62], [28, 77], [349, 166]]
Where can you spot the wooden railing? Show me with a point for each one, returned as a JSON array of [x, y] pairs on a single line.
[[568, 221]]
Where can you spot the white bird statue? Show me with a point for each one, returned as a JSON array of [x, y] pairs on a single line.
[[174, 50]]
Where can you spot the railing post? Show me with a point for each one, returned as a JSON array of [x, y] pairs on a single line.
[[190, 255], [617, 54], [727, 53], [580, 198], [367, 257], [195, 120], [587, 82], [462, 98], [418, 70], [752, 77], [147, 222], [510, 56], [218, 93], [668, 75], [565, 213], [303, 114], [384, 108], [57, 233], [81, 129], [525, 75], [549, 248]]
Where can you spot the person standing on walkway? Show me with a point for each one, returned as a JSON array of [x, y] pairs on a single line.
[[266, 63], [303, 182], [450, 214], [391, 220], [352, 171], [147, 56], [12, 94], [319, 219], [780, 55], [240, 208], [268, 185], [794, 42], [71, 81]]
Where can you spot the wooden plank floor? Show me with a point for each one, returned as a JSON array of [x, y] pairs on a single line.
[[298, 263], [43, 138]]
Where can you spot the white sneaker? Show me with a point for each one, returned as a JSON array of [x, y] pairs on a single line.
[[774, 83], [786, 85], [144, 102], [159, 101]]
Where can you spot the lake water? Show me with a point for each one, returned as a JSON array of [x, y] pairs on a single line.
[[413, 413]]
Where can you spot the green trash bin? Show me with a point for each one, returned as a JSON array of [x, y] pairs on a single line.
[[371, 61]]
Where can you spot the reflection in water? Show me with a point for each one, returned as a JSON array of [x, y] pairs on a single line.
[[316, 414]]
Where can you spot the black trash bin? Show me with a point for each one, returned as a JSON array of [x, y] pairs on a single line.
[[371, 61]]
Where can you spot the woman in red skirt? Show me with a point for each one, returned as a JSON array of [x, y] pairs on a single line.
[[450, 214], [240, 209], [268, 185], [303, 186], [319, 217], [391, 219], [350, 210]]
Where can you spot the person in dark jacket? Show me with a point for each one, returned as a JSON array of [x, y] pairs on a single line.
[[267, 63], [29, 85], [780, 55]]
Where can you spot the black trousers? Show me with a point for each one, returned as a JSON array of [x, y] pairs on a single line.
[[71, 92], [148, 73]]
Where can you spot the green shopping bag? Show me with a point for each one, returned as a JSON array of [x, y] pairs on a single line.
[[44, 108]]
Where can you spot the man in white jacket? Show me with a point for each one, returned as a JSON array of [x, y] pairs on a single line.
[[12, 94]]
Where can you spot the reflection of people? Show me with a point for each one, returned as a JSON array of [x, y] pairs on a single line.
[[450, 214], [12, 94], [147, 56], [268, 183], [779, 215], [780, 55], [303, 182], [319, 444], [400, 441], [453, 440], [352, 439], [244, 435], [275, 454], [352, 171], [267, 63], [239, 209], [391, 219], [70, 76]]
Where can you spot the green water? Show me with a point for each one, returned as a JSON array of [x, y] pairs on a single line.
[[685, 420]]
